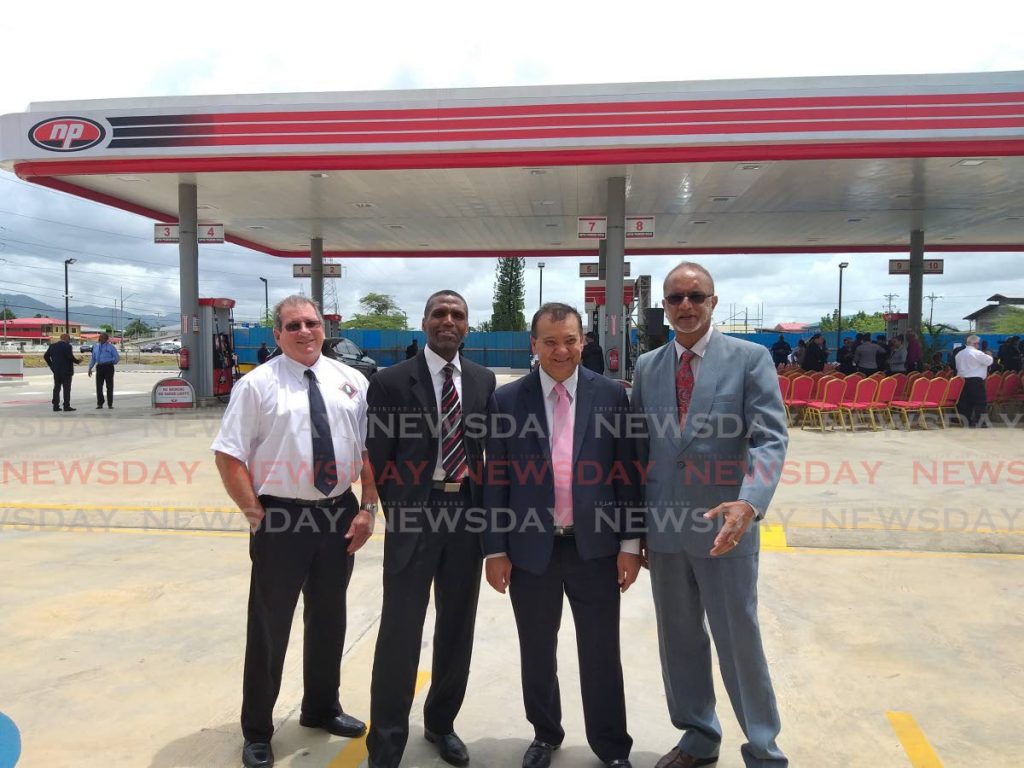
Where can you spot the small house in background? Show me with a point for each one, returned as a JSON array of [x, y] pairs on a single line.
[[985, 319], [37, 330]]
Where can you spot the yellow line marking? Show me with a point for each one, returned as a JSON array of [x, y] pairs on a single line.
[[117, 508], [913, 740], [354, 753], [30, 528], [773, 537]]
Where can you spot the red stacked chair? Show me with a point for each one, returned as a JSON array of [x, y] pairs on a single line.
[[913, 402], [1010, 389], [863, 396], [993, 386], [799, 394], [901, 386], [882, 404], [829, 403], [934, 397], [956, 386]]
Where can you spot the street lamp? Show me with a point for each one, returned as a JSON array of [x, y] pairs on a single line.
[[67, 319], [540, 266], [839, 318], [266, 300]]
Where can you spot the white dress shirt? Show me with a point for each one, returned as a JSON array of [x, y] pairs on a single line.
[[972, 363], [267, 425], [436, 364]]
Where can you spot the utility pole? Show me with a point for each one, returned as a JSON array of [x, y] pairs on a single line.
[[931, 306], [890, 297]]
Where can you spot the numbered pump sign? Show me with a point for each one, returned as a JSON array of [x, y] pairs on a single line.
[[207, 233]]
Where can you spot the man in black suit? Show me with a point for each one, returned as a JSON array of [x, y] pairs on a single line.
[[62, 361], [561, 482], [427, 456]]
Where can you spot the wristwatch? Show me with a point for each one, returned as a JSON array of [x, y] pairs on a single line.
[[369, 506]]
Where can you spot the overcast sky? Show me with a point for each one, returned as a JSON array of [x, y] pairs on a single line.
[[64, 50]]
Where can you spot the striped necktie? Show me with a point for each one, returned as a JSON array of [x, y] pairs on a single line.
[[453, 451]]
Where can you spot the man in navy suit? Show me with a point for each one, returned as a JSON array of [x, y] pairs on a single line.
[[560, 484]]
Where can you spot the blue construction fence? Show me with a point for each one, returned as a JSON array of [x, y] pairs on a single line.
[[511, 349], [496, 349]]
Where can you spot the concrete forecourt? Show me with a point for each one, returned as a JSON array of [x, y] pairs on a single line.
[[891, 580]]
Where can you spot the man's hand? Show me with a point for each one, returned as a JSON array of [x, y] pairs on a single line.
[[738, 515], [499, 572], [90, 373], [254, 515], [628, 566], [360, 530]]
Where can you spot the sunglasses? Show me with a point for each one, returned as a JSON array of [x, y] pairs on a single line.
[[296, 325], [678, 298]]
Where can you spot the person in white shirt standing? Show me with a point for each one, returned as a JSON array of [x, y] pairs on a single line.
[[291, 443], [972, 366]]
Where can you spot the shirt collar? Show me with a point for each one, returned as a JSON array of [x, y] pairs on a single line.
[[436, 363], [547, 383], [699, 348], [298, 370]]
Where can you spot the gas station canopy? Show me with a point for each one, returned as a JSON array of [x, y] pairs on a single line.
[[785, 165]]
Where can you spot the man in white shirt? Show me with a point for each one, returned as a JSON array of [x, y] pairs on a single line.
[[972, 366], [290, 445]]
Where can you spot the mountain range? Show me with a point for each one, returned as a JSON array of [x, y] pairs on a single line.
[[88, 315]]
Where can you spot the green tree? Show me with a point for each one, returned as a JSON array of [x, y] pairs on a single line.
[[107, 328], [8, 315], [509, 294], [1011, 323], [380, 312], [861, 322], [484, 327], [137, 328]]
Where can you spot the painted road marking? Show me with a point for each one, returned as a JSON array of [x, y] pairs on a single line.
[[773, 537], [354, 753], [918, 750], [10, 742]]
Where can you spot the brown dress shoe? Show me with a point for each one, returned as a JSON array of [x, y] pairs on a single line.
[[676, 758]]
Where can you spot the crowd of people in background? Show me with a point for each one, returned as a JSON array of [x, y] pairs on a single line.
[[900, 354]]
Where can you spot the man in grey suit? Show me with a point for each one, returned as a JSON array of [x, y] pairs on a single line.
[[716, 441]]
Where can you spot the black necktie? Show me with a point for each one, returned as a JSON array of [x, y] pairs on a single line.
[[325, 473], [453, 451]]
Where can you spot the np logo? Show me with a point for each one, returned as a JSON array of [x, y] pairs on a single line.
[[66, 134]]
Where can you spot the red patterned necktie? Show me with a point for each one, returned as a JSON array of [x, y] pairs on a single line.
[[684, 385], [453, 451]]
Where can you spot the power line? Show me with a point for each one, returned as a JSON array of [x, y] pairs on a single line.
[[890, 297]]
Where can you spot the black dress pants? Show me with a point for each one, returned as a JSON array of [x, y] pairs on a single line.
[[296, 549], [593, 591], [449, 558], [972, 404], [61, 385], [104, 378]]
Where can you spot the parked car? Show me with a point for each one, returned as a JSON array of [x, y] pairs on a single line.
[[153, 347], [170, 348], [347, 352], [86, 348]]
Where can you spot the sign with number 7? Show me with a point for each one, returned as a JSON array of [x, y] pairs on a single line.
[[592, 227]]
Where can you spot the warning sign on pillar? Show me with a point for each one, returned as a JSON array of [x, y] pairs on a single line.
[[592, 227], [639, 227]]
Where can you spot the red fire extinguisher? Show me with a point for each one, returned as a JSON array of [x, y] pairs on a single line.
[[613, 360], [183, 358]]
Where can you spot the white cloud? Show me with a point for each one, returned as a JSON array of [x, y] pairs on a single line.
[[232, 47]]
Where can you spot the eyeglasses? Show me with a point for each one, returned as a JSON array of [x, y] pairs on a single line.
[[296, 325], [679, 298]]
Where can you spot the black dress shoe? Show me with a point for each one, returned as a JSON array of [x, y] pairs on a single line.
[[339, 725], [451, 748], [55, 408], [68, 408], [257, 754], [538, 754], [621, 763]]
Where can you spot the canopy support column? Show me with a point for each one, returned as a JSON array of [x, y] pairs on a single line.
[[916, 299], [188, 288], [615, 255], [316, 258]]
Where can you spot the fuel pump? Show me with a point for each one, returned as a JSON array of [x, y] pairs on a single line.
[[216, 350]]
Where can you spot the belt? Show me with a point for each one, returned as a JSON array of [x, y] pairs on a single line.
[[321, 503], [447, 486], [565, 530]]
